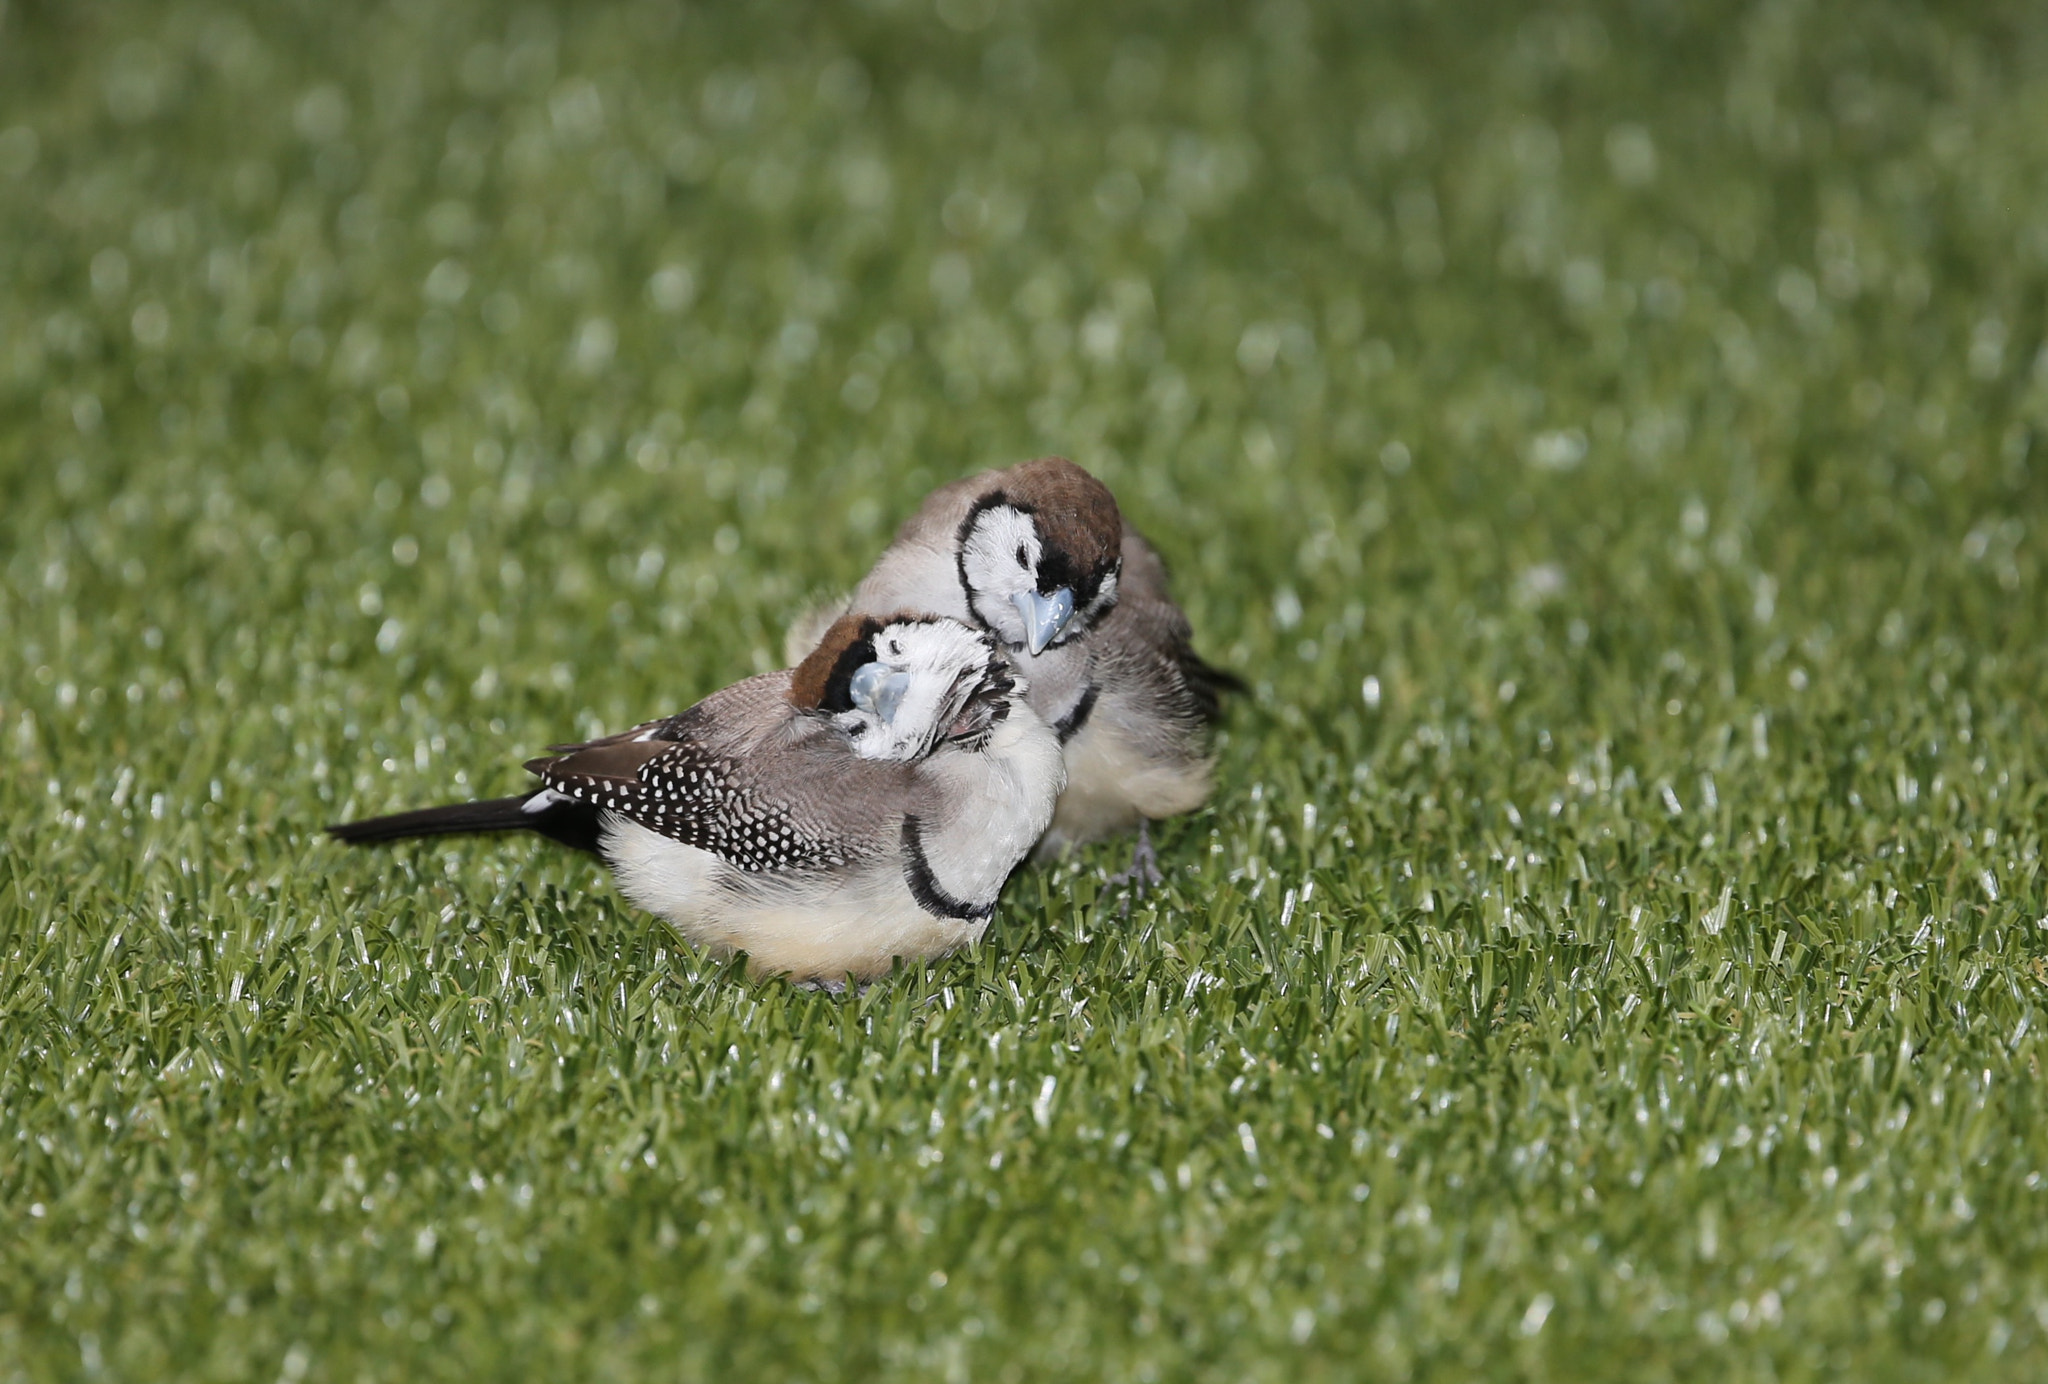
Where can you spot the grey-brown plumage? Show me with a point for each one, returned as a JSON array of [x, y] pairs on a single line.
[[737, 775], [864, 806], [1039, 554]]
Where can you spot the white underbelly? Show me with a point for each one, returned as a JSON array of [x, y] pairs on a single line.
[[858, 929], [1110, 786]]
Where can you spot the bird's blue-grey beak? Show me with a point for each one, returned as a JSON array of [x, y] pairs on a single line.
[[876, 689], [1044, 616]]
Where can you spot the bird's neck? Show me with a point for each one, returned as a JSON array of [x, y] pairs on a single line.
[[991, 805]]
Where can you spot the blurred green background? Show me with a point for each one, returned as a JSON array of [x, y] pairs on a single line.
[[1609, 438]]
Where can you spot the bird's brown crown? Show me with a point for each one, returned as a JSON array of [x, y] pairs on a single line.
[[1076, 515], [822, 680]]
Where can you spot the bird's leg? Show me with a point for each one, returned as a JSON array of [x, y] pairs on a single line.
[[1143, 874]]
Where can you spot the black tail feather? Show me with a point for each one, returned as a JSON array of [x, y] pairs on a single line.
[[1208, 683], [571, 823]]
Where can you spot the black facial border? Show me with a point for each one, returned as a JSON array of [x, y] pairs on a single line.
[[1055, 567], [838, 694]]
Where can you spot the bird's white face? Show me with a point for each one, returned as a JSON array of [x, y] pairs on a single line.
[[1002, 560], [930, 682]]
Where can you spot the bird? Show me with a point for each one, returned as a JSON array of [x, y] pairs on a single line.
[[1038, 555], [827, 820]]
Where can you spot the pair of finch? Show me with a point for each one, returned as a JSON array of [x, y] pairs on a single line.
[[1011, 674]]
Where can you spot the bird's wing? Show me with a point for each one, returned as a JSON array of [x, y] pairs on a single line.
[[700, 779], [1148, 618]]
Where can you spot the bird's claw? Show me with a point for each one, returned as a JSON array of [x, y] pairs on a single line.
[[1143, 875]]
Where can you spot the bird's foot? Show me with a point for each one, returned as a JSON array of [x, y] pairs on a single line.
[[1143, 875]]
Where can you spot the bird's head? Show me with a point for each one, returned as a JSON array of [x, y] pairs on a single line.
[[903, 686], [1039, 554]]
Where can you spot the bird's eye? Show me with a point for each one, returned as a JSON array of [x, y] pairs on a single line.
[[1023, 558], [895, 649]]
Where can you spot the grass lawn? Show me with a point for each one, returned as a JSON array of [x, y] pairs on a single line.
[[1612, 440]]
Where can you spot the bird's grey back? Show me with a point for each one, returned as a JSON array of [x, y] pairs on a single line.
[[920, 570], [748, 776]]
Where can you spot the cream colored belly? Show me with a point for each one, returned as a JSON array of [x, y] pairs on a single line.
[[855, 931], [1110, 787]]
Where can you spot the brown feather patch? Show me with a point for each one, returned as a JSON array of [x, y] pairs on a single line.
[[845, 643], [1075, 512]]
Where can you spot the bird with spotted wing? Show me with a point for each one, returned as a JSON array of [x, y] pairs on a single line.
[[865, 806]]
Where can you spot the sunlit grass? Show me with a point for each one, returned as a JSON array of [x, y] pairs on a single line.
[[1609, 440]]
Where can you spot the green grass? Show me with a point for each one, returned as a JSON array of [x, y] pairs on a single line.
[[1611, 441]]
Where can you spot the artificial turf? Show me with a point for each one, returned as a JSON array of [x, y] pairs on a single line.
[[1610, 440]]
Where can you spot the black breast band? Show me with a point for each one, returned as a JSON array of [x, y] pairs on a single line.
[[931, 896], [1069, 725]]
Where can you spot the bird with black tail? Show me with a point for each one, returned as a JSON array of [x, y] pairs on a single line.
[[828, 820]]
